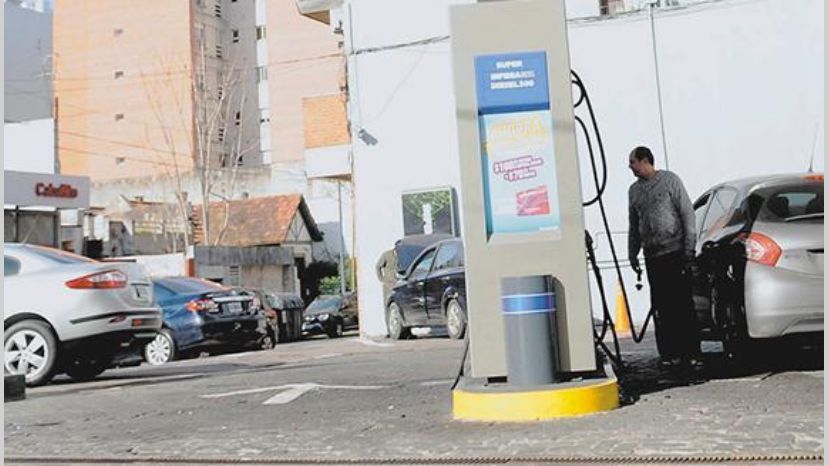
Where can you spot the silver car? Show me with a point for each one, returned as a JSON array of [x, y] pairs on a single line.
[[67, 313], [759, 265]]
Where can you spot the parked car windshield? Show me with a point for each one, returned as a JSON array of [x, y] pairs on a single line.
[[325, 302], [793, 202], [189, 285], [58, 256]]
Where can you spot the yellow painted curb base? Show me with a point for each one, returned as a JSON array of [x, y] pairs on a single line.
[[536, 405]]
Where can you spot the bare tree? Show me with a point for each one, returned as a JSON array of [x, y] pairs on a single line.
[[211, 112]]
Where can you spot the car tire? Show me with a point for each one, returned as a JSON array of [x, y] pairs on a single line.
[[336, 329], [82, 369], [36, 348], [395, 324], [161, 350], [455, 319], [267, 341]]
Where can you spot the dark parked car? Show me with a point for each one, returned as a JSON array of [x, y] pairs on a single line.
[[199, 314], [331, 315], [759, 264], [432, 292]]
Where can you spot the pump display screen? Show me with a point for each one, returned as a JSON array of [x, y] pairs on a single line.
[[517, 151]]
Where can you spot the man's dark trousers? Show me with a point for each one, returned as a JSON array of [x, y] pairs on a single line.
[[672, 301]]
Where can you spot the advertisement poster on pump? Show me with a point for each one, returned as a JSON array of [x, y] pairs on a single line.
[[517, 152]]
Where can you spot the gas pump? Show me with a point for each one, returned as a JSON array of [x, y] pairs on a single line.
[[531, 347]]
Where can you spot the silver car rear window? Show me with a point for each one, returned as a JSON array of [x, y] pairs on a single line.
[[793, 201]]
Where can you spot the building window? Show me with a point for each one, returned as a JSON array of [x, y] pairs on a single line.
[[119, 74], [219, 51], [220, 135], [235, 36], [117, 32], [220, 92], [199, 81], [238, 118], [119, 116], [261, 73], [217, 9], [611, 7], [260, 32]]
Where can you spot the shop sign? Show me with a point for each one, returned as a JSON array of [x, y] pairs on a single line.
[[50, 190]]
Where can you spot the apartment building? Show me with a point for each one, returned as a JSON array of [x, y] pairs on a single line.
[[145, 90]]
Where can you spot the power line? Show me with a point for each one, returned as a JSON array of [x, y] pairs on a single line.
[[189, 71], [127, 144]]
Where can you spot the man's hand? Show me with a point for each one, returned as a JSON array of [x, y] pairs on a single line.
[[634, 264], [690, 264]]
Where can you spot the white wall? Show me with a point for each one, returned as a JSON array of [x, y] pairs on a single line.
[[27, 63], [742, 86], [402, 97], [29, 146]]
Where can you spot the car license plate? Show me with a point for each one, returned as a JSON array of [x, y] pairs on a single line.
[[233, 308]]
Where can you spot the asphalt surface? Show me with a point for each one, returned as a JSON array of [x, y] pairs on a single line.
[[355, 401]]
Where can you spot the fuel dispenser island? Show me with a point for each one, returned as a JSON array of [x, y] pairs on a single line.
[[531, 348]]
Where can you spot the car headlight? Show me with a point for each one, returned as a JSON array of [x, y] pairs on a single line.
[[323, 317], [308, 318]]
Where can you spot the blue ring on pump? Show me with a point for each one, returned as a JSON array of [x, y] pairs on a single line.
[[534, 303]]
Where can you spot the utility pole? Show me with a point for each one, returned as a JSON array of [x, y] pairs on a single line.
[[658, 82], [342, 235]]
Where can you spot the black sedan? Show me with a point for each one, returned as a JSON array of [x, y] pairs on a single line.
[[431, 293], [331, 315]]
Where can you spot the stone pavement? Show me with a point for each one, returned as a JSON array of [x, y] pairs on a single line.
[[216, 408]]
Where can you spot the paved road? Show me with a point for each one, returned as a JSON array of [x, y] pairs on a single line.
[[350, 399]]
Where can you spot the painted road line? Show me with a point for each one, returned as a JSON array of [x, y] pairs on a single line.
[[289, 392], [432, 383], [327, 355], [244, 392]]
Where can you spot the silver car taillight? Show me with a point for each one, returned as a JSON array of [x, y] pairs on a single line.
[[762, 249], [107, 279]]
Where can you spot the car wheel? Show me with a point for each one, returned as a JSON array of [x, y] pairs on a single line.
[[267, 341], [161, 350], [80, 368], [455, 320], [31, 350], [336, 329], [731, 324], [394, 323]]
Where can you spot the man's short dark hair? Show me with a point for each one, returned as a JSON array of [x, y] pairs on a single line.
[[643, 153]]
